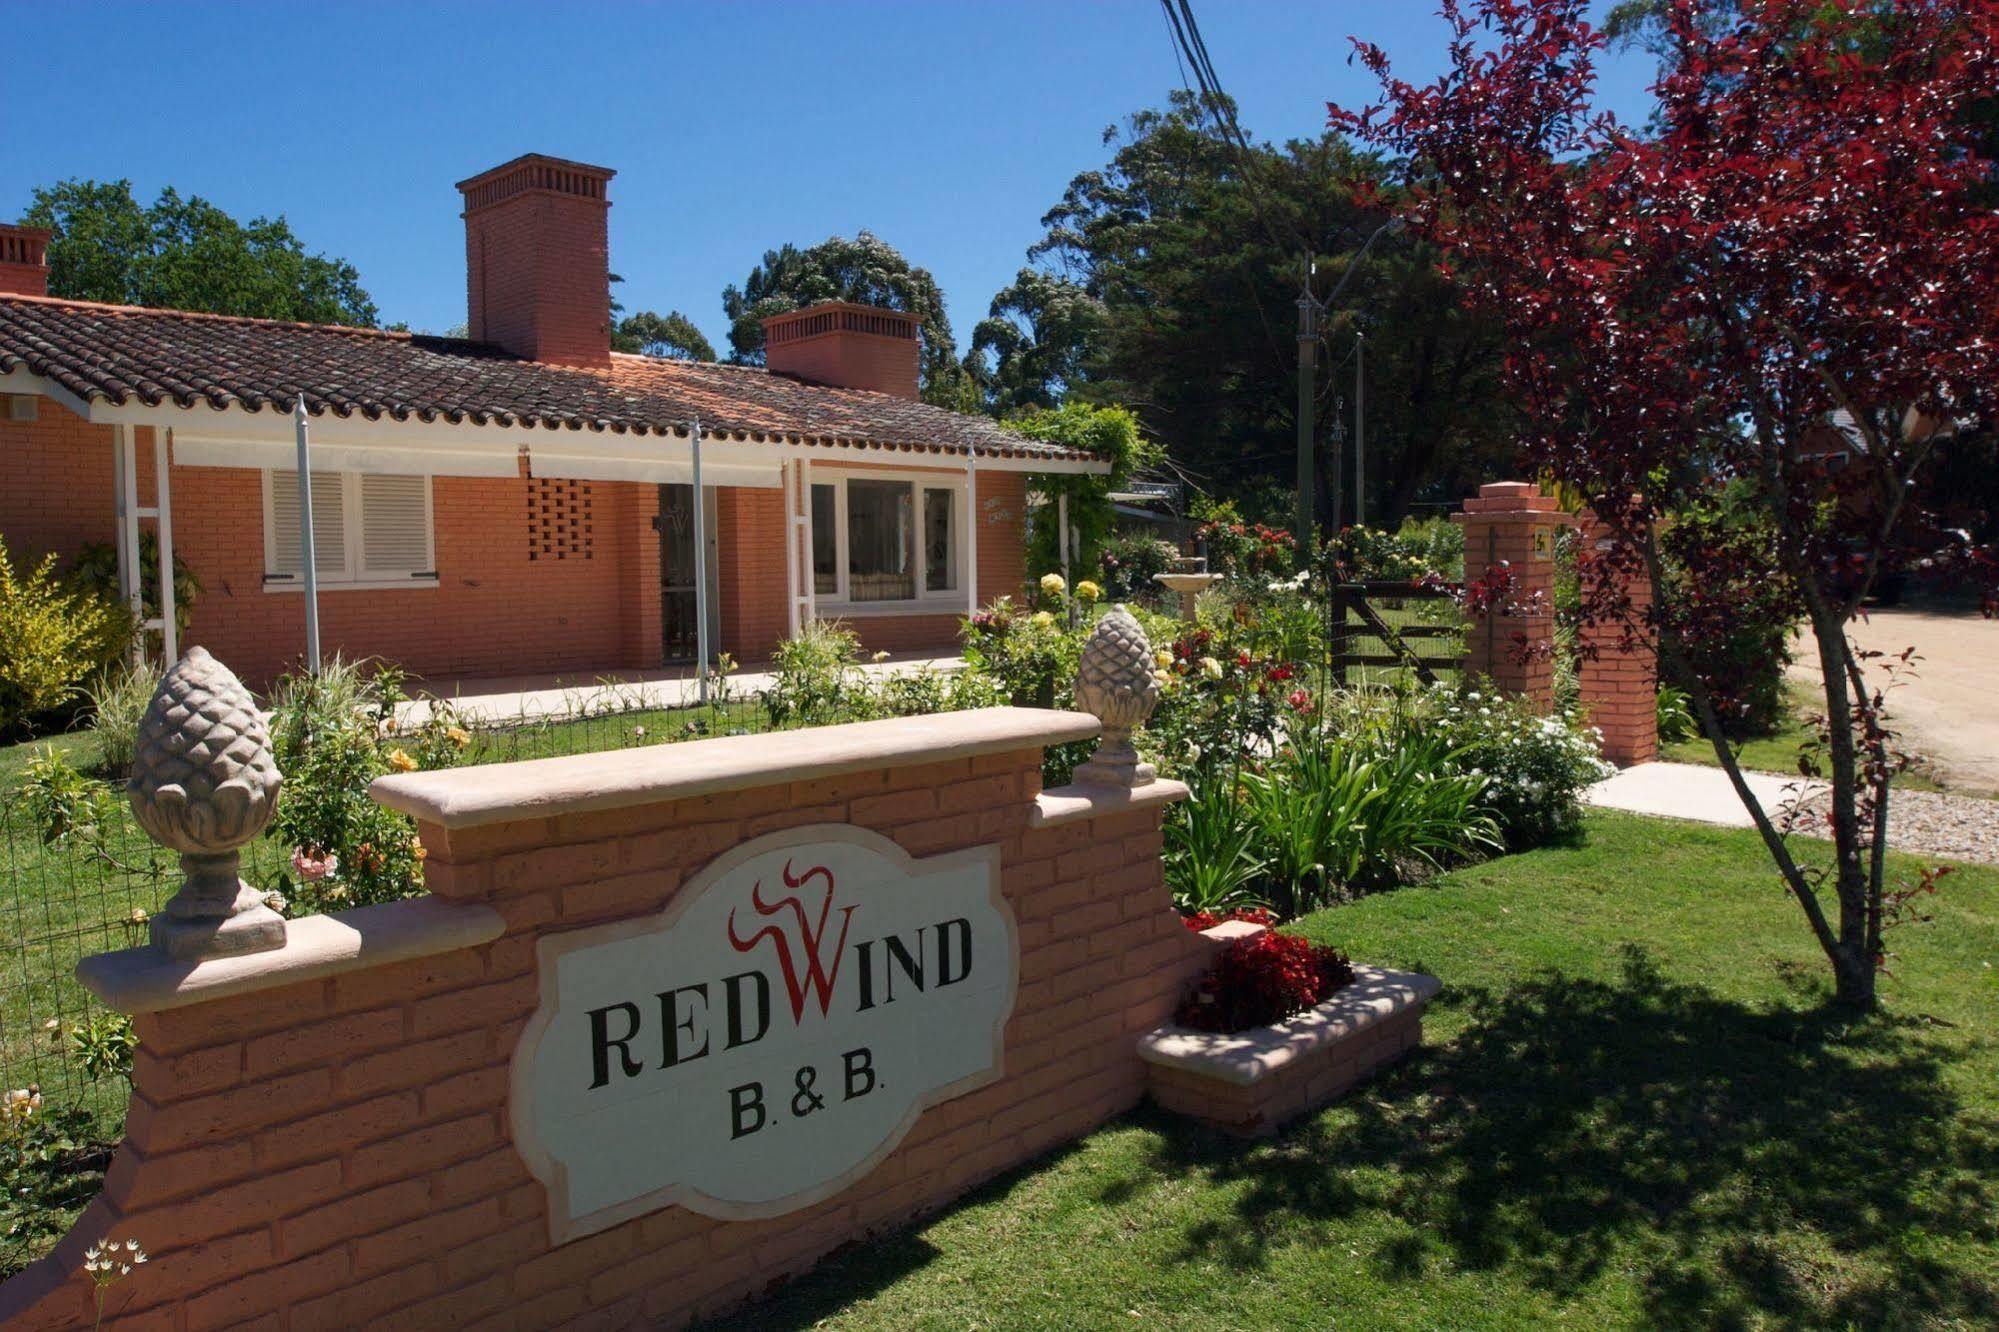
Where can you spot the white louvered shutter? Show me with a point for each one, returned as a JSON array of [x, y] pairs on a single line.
[[395, 525], [329, 524]]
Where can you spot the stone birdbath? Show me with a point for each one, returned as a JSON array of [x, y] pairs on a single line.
[[1190, 578]]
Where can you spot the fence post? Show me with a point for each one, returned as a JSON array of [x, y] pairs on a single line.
[[1511, 526], [1618, 676]]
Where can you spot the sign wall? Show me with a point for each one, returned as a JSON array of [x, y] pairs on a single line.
[[770, 1036]]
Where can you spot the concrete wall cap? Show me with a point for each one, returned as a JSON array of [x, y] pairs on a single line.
[[1068, 804], [619, 779], [1247, 1057], [148, 980]]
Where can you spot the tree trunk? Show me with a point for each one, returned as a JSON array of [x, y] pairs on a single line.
[[1853, 978]]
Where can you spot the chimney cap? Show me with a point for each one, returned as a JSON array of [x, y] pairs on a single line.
[[535, 171], [824, 317]]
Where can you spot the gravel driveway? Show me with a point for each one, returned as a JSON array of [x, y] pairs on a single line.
[[1946, 705]]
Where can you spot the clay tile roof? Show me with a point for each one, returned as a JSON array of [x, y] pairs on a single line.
[[118, 354]]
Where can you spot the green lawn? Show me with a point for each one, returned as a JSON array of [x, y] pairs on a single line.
[[1778, 751], [1630, 1111]]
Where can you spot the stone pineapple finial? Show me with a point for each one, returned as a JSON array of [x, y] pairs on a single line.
[[204, 782], [1115, 684]]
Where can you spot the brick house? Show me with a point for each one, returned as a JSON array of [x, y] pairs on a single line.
[[520, 501]]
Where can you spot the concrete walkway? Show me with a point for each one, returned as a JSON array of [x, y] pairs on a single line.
[[530, 697], [1702, 794]]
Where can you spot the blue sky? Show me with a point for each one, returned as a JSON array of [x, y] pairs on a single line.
[[947, 129]]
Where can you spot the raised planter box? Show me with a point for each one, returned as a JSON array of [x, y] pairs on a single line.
[[1251, 1082]]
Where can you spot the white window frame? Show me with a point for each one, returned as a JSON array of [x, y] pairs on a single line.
[[836, 604], [352, 578]]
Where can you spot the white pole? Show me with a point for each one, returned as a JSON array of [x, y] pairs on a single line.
[[125, 485], [787, 472], [971, 535], [308, 558], [700, 565], [1062, 546], [810, 555], [163, 504]]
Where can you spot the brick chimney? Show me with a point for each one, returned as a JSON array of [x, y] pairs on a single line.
[[846, 346], [537, 259], [24, 261]]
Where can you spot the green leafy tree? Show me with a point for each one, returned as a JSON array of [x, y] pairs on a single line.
[[866, 271], [187, 254], [671, 335], [1193, 253], [1035, 342], [1111, 433]]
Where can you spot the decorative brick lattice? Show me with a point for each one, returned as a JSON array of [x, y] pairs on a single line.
[[560, 523]]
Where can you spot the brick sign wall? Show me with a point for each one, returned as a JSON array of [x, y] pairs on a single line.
[[326, 1136]]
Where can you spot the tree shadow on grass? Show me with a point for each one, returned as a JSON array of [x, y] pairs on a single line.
[[1774, 1167]]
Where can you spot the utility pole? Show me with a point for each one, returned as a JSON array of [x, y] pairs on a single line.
[[1308, 347], [1360, 429]]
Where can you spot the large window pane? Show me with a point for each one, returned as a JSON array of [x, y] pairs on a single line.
[[825, 540], [881, 541], [940, 541]]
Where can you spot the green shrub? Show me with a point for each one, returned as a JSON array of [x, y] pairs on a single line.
[[814, 676], [1031, 656], [1734, 622], [1339, 817], [1130, 561], [1535, 769], [1675, 716], [334, 731], [1213, 858], [104, 1044], [52, 1161], [96, 569], [52, 638], [118, 702]]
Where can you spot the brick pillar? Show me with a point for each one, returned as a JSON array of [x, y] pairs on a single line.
[[1619, 680], [1511, 525]]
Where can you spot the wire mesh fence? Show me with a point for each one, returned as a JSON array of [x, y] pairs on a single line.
[[67, 891]]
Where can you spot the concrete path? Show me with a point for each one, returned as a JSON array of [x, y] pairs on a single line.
[[1702, 794], [1946, 702], [527, 697]]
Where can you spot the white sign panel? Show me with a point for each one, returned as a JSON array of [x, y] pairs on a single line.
[[770, 1036]]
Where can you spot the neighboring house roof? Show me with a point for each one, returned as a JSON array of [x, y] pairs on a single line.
[[118, 354]]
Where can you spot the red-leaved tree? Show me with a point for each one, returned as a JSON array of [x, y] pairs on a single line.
[[1784, 289]]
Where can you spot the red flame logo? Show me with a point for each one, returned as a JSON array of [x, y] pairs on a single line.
[[821, 967]]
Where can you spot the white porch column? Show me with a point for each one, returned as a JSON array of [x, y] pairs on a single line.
[[790, 531], [808, 538], [125, 478], [163, 506], [971, 535]]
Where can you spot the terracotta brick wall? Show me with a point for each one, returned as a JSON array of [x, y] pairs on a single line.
[[336, 1154], [55, 483], [493, 612], [1619, 685], [537, 270], [1512, 524]]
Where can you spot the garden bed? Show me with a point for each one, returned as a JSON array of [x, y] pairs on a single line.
[[1252, 1082]]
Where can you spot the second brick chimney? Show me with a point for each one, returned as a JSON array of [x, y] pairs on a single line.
[[24, 261], [846, 346], [537, 259]]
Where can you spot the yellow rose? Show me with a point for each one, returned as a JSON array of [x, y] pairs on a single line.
[[1162, 659], [1052, 585], [401, 761], [1044, 619], [1088, 591]]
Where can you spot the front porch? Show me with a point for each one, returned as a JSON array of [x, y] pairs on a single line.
[[498, 699]]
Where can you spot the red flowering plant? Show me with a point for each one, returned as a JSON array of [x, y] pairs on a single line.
[[1788, 281], [1263, 979], [1207, 920]]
